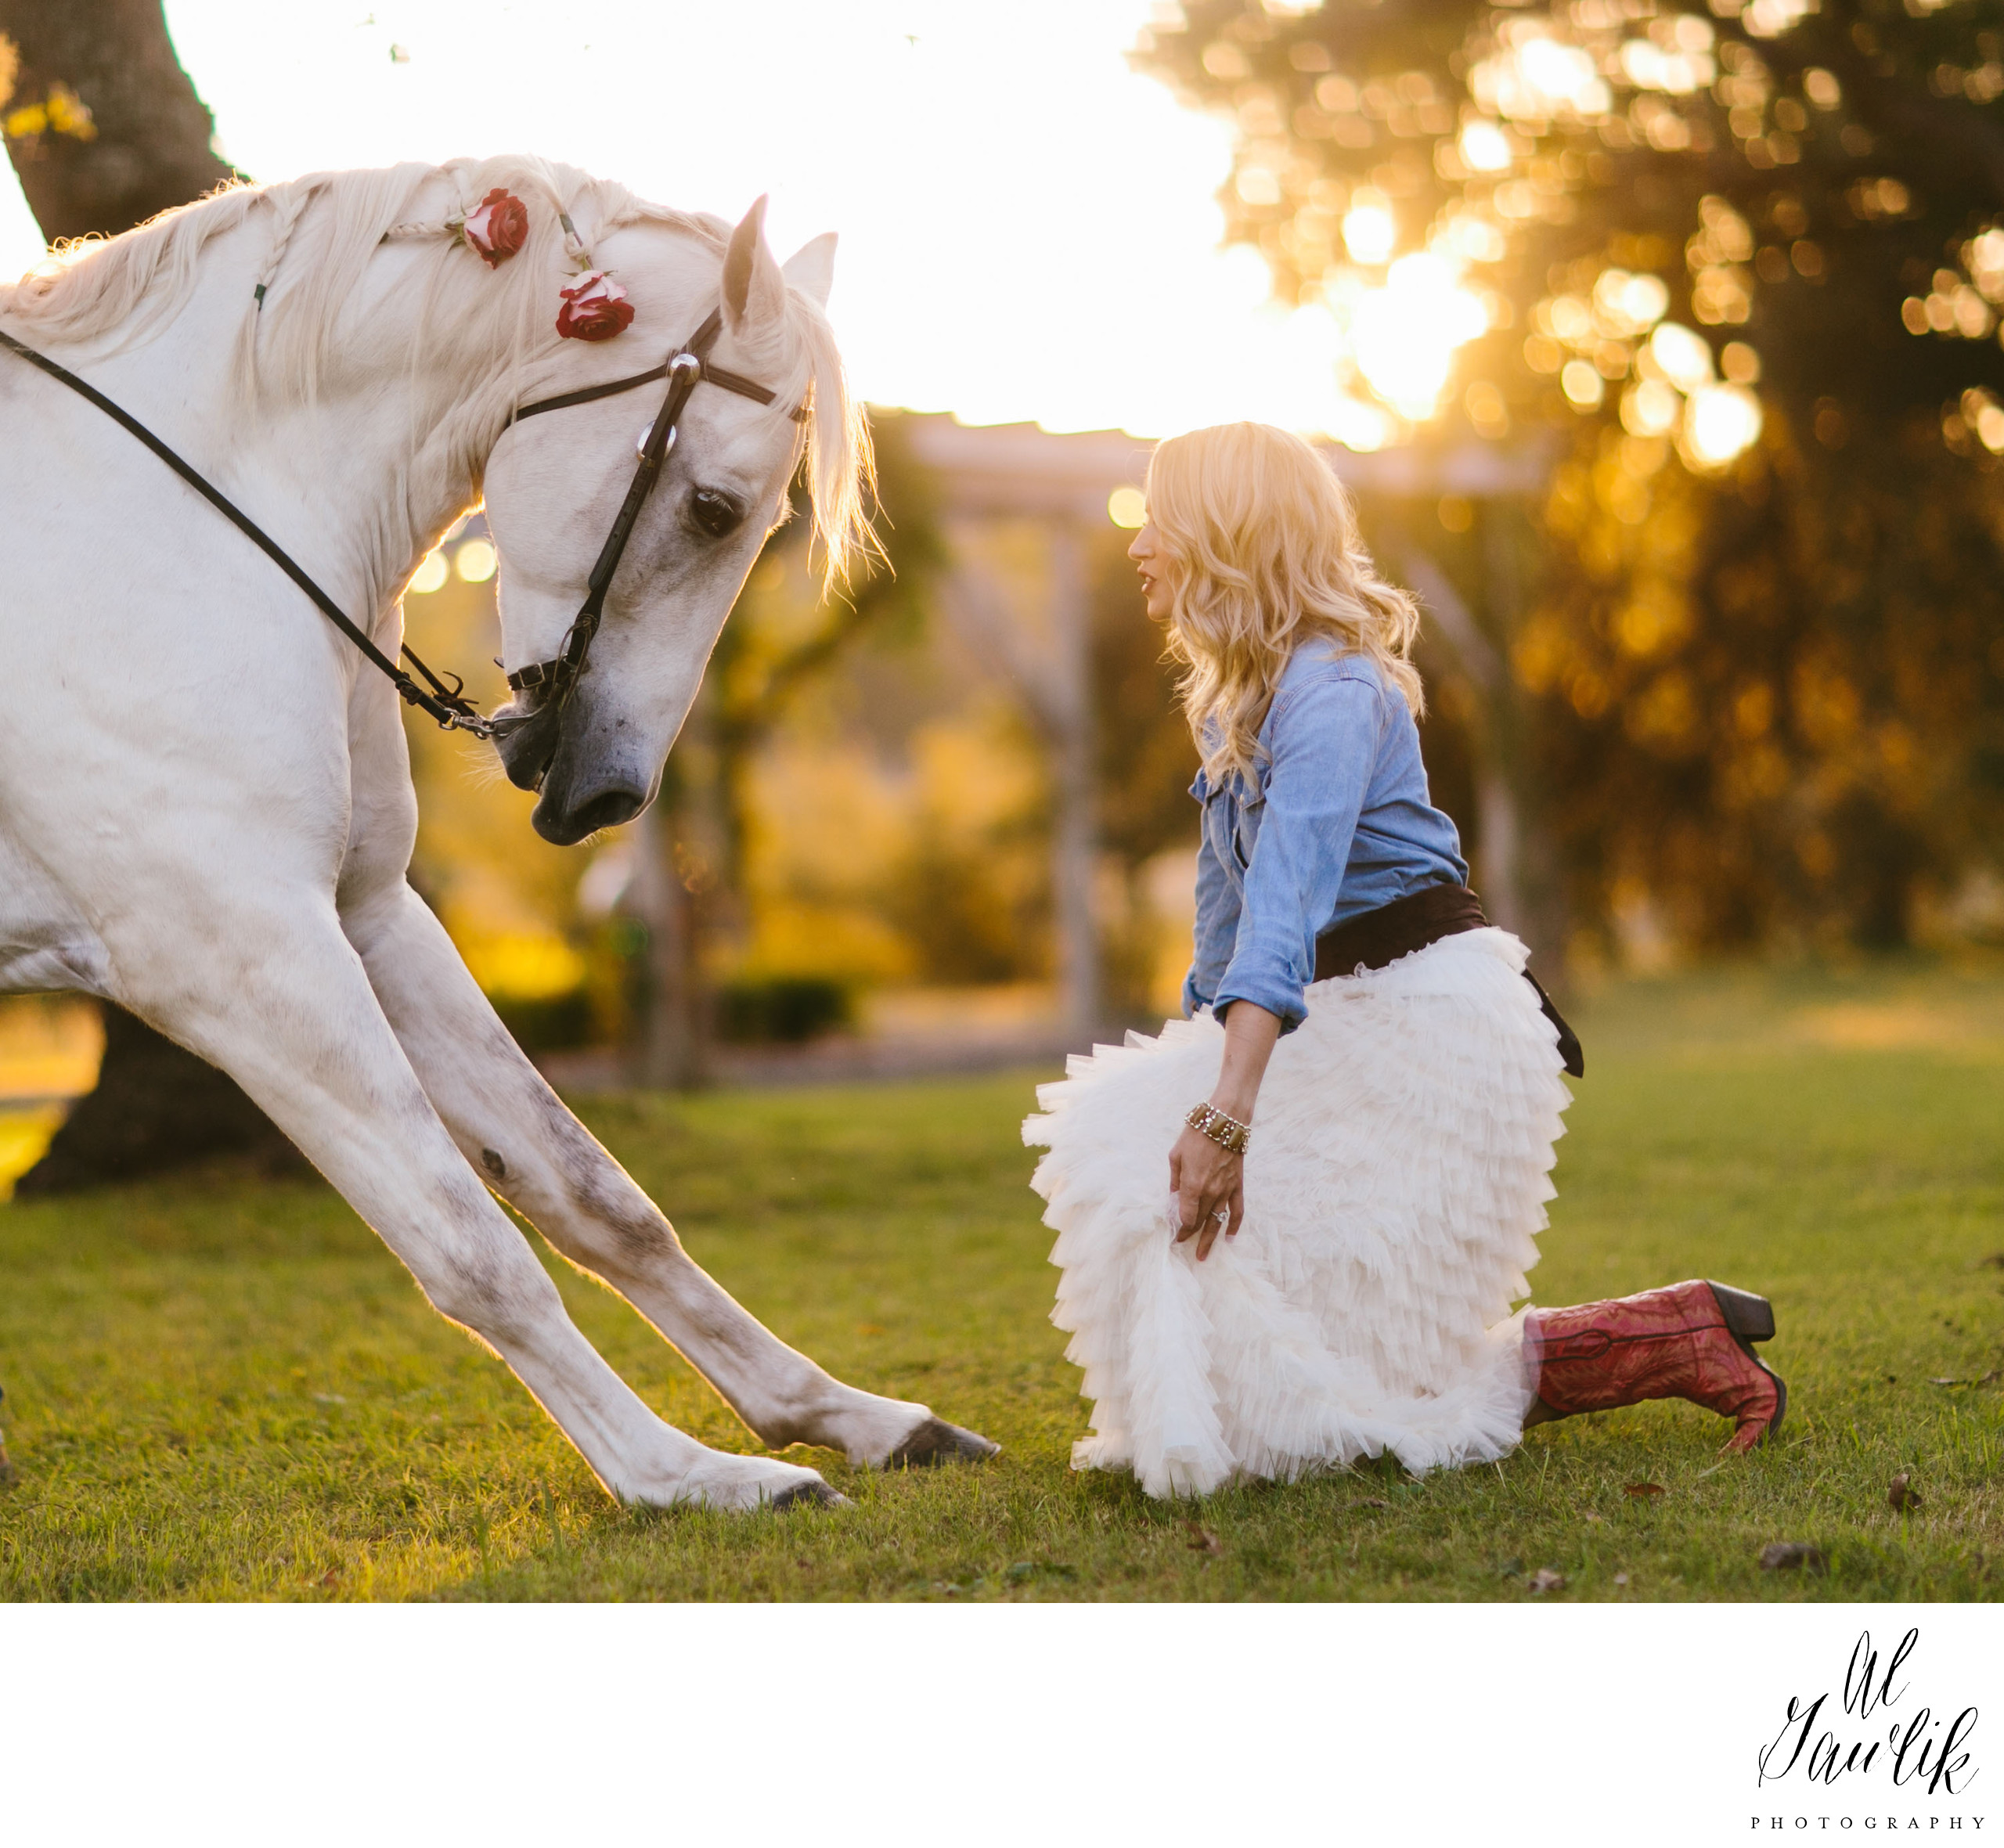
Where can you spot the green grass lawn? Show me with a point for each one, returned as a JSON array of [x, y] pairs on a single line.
[[221, 1389]]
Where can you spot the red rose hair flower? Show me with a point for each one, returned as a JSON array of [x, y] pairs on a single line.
[[595, 308], [498, 227]]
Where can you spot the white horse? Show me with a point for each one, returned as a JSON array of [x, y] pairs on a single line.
[[206, 808]]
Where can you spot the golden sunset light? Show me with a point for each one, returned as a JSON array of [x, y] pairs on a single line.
[[973, 283]]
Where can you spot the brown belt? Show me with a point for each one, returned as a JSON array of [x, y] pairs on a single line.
[[1380, 937]]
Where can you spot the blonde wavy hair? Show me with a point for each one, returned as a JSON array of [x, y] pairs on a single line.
[[1264, 556]]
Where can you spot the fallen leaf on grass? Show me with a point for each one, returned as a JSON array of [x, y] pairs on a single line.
[[1544, 1578], [1373, 1501], [1590, 1515], [1793, 1556], [1203, 1540], [1621, 1578], [1643, 1491], [1902, 1495], [1988, 1379]]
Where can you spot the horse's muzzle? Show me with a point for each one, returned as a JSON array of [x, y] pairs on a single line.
[[527, 737]]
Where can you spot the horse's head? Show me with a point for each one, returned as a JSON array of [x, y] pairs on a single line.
[[554, 484]]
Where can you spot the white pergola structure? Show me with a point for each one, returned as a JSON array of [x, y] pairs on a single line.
[[1006, 475]]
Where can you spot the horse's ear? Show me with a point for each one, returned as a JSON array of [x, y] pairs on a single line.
[[811, 269], [754, 291]]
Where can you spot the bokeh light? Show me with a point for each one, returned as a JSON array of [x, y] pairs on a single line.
[[1406, 334], [1721, 422], [1650, 409], [1127, 507], [1582, 384], [474, 561], [429, 574], [1534, 78], [1369, 232], [1685, 357], [1484, 147], [1625, 305]]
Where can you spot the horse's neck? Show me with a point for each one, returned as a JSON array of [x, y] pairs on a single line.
[[338, 481]]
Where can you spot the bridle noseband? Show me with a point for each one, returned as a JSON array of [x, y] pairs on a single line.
[[554, 679]]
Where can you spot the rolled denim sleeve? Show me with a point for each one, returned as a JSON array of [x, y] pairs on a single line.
[[1324, 741], [1217, 926]]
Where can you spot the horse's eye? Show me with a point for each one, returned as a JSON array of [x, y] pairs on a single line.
[[715, 513]]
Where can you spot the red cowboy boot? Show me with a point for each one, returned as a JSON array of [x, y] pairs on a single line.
[[1692, 1340]]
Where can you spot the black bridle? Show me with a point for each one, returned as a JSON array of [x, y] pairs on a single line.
[[553, 679], [684, 369]]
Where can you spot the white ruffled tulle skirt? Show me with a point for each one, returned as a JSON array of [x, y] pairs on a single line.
[[1396, 1178]]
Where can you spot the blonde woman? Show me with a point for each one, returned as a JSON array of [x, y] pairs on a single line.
[[1291, 1228]]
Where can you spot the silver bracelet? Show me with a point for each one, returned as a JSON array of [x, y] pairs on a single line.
[[1228, 1132]]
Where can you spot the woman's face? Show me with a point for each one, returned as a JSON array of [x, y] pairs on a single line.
[[1150, 559]]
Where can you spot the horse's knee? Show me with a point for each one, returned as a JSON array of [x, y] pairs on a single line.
[[500, 1292], [606, 1221]]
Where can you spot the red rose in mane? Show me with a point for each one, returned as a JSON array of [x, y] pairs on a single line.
[[497, 227], [594, 309]]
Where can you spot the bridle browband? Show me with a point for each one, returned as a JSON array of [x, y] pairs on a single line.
[[685, 368]]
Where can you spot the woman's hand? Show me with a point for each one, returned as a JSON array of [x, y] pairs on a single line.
[[1208, 1181]]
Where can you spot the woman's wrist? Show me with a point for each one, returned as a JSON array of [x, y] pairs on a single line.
[[1236, 1104]]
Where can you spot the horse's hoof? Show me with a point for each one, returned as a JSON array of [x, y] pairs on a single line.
[[810, 1495], [936, 1442]]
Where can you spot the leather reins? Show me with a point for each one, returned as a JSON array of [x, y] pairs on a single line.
[[684, 369]]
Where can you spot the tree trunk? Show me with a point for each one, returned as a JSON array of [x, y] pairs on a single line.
[[138, 144], [673, 1045], [121, 135]]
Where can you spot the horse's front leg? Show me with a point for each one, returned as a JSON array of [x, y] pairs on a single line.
[[279, 1000], [520, 1134]]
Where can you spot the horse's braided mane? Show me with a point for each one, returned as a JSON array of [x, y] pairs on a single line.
[[323, 231]]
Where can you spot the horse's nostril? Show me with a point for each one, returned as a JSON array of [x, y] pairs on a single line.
[[607, 810]]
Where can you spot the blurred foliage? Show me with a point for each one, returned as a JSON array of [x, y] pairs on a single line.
[[971, 890], [782, 634], [784, 1009], [1743, 269], [1147, 758], [899, 824]]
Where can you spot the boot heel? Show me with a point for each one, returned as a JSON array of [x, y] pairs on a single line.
[[1748, 1317]]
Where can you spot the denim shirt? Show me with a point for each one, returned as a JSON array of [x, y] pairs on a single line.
[[1338, 824]]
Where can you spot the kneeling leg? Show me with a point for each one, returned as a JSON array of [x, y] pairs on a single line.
[[537, 1155], [299, 1027]]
